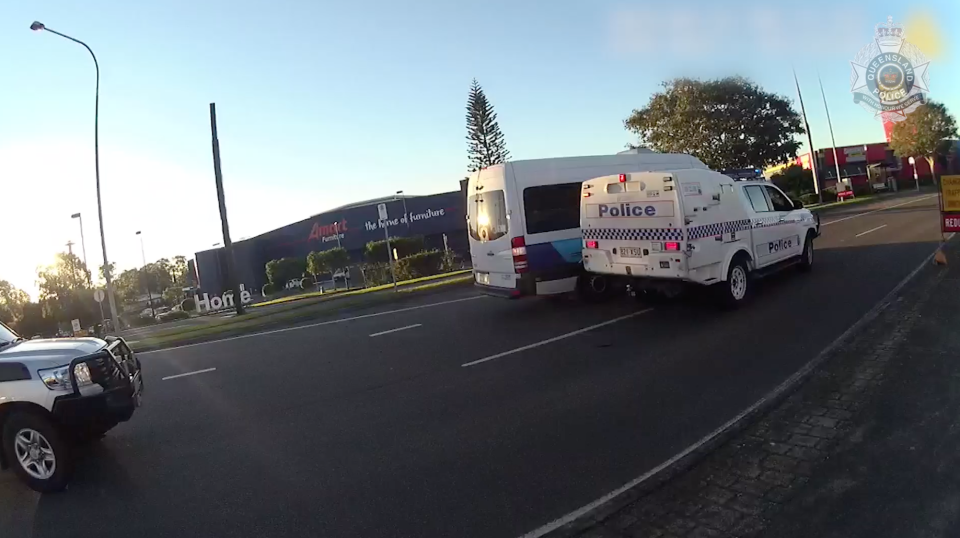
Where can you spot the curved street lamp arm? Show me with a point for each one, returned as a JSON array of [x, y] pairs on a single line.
[[94, 56]]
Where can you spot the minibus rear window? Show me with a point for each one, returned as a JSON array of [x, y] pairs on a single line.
[[487, 213]]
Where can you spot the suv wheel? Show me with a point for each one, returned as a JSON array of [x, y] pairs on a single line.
[[37, 452]]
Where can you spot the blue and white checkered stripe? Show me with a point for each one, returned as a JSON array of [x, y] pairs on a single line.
[[673, 234], [766, 222], [718, 228], [634, 234]]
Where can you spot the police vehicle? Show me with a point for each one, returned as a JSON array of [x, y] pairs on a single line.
[[659, 231]]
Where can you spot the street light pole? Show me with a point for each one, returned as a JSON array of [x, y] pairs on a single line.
[[146, 275], [406, 215], [916, 178], [38, 26], [83, 243]]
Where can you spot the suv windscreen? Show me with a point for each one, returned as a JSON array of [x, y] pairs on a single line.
[[6, 335], [487, 213], [549, 208]]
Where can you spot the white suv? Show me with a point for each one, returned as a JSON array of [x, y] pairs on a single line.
[[56, 393]]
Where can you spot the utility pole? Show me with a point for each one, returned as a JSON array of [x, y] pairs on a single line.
[[146, 275], [813, 152], [227, 243]]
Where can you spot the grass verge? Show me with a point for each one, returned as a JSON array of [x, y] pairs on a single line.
[[313, 294], [252, 322], [857, 200]]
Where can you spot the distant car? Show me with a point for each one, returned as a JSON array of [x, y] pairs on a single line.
[[55, 394]]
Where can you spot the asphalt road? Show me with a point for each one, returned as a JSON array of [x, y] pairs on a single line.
[[371, 425]]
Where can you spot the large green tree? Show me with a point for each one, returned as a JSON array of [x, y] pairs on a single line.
[[726, 123], [485, 143], [12, 301], [65, 290], [924, 133]]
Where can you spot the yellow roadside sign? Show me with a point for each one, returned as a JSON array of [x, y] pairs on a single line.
[[950, 189]]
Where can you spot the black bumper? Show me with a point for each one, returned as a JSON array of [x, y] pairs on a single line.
[[118, 373]]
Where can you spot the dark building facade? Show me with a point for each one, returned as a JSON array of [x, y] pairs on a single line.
[[430, 216]]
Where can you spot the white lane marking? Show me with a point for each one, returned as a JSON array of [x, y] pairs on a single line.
[[786, 385], [554, 339], [397, 329], [871, 230], [188, 373], [877, 210], [312, 325]]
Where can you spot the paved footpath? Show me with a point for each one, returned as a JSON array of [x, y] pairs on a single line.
[[869, 446]]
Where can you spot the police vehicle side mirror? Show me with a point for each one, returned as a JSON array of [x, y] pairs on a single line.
[[797, 204]]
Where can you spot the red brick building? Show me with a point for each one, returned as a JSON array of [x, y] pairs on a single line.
[[855, 160]]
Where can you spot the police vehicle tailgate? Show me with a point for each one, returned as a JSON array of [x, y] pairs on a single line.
[[630, 219]]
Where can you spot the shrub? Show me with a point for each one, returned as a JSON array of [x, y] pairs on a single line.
[[285, 269], [268, 289], [809, 198], [376, 274], [450, 262], [421, 264], [142, 321], [173, 315], [829, 195], [188, 305], [376, 251]]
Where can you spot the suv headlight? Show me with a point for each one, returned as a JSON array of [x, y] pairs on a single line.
[[59, 378]]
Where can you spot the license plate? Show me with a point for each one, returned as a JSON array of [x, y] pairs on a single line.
[[483, 278], [631, 252]]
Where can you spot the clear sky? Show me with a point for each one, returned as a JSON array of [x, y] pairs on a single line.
[[322, 103]]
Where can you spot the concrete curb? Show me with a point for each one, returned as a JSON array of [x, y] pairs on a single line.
[[590, 515]]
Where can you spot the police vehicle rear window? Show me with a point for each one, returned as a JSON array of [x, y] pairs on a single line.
[[487, 213], [757, 200], [550, 208]]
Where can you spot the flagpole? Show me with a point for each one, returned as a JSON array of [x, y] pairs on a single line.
[[830, 123], [813, 153]]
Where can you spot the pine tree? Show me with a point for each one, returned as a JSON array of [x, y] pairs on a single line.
[[485, 143]]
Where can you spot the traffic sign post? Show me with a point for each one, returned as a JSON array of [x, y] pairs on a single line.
[[98, 297], [382, 210]]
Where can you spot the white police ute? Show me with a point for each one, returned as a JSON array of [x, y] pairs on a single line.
[[659, 231]]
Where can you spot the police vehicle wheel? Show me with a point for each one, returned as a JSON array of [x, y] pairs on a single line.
[[595, 288], [736, 289], [806, 257], [37, 452]]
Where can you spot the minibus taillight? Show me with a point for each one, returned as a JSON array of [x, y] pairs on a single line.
[[519, 251]]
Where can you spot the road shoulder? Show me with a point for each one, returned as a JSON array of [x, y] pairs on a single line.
[[746, 479]]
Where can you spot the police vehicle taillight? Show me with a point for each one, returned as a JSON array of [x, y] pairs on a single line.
[[623, 178], [519, 251], [671, 245], [593, 244]]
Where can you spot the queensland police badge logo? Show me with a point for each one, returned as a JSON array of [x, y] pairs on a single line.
[[890, 74]]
